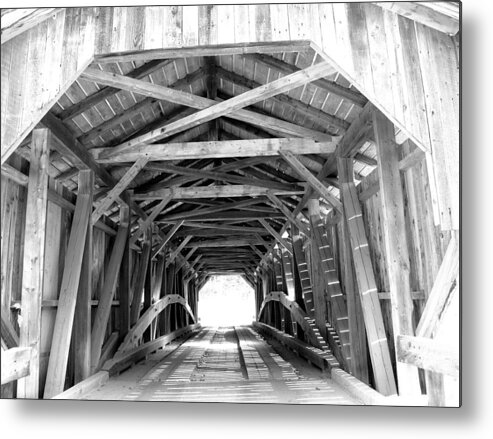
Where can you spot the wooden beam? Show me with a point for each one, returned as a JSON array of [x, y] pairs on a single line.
[[124, 291], [216, 208], [139, 282], [33, 259], [427, 354], [14, 175], [412, 159], [18, 21], [80, 156], [106, 92], [220, 228], [103, 205], [216, 149], [108, 290], [194, 101], [81, 339], [143, 225], [276, 235], [228, 242], [332, 87], [224, 176], [444, 20], [261, 93], [415, 295], [8, 333], [166, 239], [396, 250], [313, 181], [57, 364], [441, 290], [322, 250], [205, 50], [149, 103], [176, 252], [298, 106], [289, 215], [356, 321], [357, 134], [219, 191], [16, 364], [235, 216], [375, 329], [304, 274]]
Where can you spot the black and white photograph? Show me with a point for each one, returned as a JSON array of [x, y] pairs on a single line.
[[251, 203]]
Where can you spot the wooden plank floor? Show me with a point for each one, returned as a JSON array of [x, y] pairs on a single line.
[[227, 364]]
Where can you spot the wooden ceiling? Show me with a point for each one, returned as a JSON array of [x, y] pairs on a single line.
[[217, 213]]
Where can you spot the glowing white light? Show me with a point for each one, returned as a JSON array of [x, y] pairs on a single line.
[[226, 301]]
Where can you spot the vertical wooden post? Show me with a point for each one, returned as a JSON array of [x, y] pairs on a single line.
[[34, 254], [82, 319], [108, 290], [148, 296], [288, 270], [317, 273], [394, 230], [57, 364], [337, 313], [367, 287], [306, 284], [357, 335], [139, 283], [124, 289]]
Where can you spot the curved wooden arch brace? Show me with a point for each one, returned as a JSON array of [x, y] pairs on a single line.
[[135, 334], [300, 316]]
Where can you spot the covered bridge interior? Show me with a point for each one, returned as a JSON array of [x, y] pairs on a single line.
[[312, 149]]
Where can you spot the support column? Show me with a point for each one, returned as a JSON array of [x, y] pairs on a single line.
[[397, 255], [304, 274], [62, 333], [139, 282], [34, 254], [124, 290], [82, 319], [357, 334], [148, 297], [108, 290], [367, 287], [317, 273]]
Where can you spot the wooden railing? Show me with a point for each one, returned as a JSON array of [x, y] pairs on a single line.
[[137, 331], [124, 361], [299, 316]]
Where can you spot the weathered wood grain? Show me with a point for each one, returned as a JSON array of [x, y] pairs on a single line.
[[33, 260], [57, 364]]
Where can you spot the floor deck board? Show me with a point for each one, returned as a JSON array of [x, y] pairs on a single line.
[[226, 364]]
